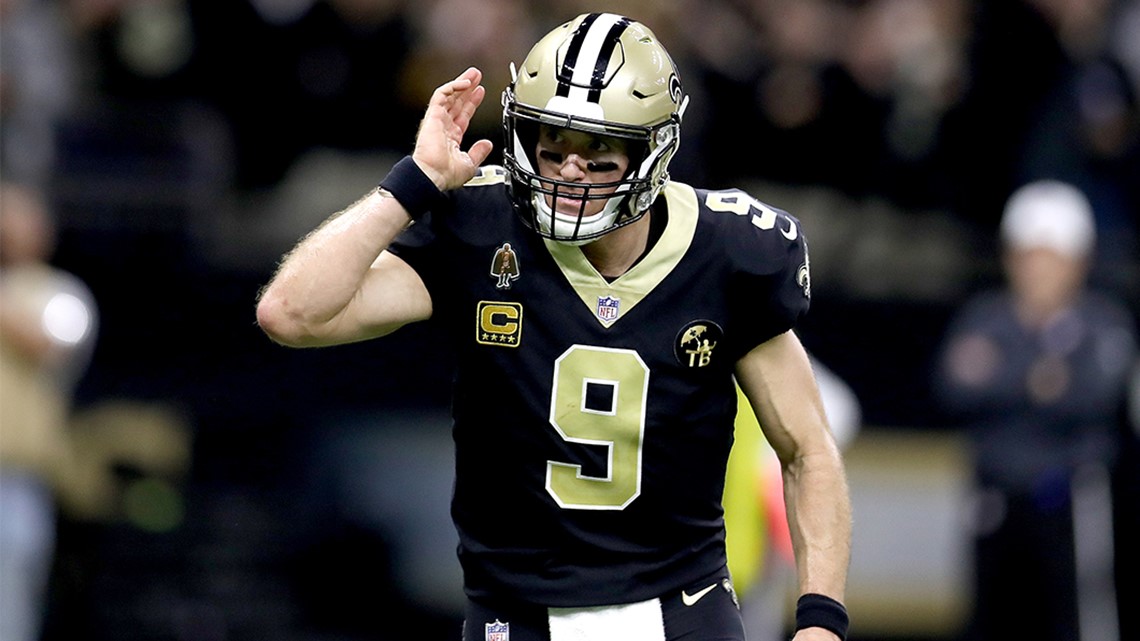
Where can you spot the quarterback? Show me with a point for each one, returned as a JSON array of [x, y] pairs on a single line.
[[602, 316]]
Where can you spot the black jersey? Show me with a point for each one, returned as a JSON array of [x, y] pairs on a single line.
[[593, 419]]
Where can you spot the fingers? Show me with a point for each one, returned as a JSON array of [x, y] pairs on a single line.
[[458, 100], [465, 110], [465, 81], [472, 75], [479, 151], [449, 113], [465, 100]]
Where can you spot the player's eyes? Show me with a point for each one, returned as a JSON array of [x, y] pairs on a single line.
[[553, 135], [601, 166]]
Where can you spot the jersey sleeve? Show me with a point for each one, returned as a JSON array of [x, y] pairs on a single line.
[[771, 288], [472, 214], [414, 242], [421, 245]]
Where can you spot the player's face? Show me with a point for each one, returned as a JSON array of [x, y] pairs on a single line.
[[580, 157]]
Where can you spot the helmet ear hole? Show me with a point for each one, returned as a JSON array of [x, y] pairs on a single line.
[[637, 151], [527, 132]]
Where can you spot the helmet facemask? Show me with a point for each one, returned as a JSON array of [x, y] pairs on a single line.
[[649, 146]]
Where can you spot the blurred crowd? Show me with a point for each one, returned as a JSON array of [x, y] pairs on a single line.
[[928, 104], [180, 146], [908, 106]]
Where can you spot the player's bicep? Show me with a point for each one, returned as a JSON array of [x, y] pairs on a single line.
[[777, 378], [391, 295]]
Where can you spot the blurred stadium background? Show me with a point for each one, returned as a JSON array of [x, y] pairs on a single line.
[[184, 145]]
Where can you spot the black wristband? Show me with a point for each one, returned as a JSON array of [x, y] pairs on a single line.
[[411, 187], [819, 611]]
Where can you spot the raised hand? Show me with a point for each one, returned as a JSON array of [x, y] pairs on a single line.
[[448, 114]]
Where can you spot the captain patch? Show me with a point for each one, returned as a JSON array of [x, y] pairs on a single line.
[[498, 323]]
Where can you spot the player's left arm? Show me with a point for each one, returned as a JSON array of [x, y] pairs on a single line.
[[777, 378]]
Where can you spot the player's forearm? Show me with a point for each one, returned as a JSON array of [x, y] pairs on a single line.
[[313, 297], [819, 518], [777, 378]]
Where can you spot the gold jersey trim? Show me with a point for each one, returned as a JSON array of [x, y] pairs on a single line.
[[633, 286], [487, 175]]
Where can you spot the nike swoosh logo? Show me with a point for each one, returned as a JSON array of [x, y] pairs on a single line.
[[691, 599]]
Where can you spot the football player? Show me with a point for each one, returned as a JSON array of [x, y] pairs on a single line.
[[594, 397]]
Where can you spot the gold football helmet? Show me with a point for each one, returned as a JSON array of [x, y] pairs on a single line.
[[603, 74]]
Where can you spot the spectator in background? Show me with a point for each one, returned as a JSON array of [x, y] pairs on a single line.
[[47, 327], [37, 85], [774, 65], [1037, 372], [1085, 130], [839, 94]]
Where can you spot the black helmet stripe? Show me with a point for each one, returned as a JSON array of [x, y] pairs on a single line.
[[573, 50], [588, 54], [604, 57]]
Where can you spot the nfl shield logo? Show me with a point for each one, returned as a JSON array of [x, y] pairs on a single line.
[[608, 308], [498, 631]]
